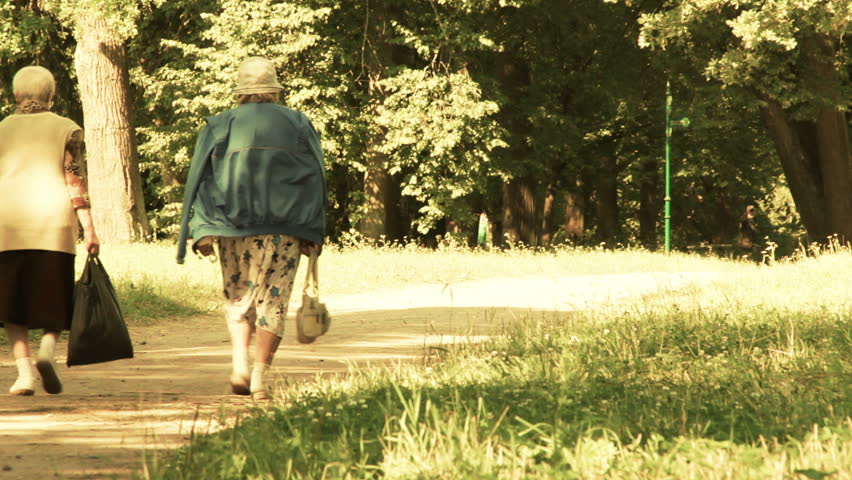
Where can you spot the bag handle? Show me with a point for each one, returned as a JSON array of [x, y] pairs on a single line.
[[312, 276], [93, 263], [86, 276]]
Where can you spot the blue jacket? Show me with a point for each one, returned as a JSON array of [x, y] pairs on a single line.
[[257, 169]]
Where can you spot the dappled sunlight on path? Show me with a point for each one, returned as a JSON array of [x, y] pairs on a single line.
[[113, 415]]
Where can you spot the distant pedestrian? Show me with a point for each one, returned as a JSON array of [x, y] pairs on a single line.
[[748, 230], [256, 188], [43, 196], [748, 227]]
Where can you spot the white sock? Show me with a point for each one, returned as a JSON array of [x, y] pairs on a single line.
[[47, 347], [26, 375], [257, 374], [240, 361]]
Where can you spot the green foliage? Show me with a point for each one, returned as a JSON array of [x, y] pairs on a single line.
[[35, 37], [440, 133], [21, 31], [764, 47], [438, 129], [460, 97], [120, 16]]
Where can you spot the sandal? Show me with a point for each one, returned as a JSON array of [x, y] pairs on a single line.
[[260, 396]]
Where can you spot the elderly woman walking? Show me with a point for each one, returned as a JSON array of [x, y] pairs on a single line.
[[256, 187], [43, 195]]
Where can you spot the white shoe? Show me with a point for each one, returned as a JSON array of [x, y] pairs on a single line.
[[23, 387]]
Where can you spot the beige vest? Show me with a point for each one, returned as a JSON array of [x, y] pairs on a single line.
[[35, 205]]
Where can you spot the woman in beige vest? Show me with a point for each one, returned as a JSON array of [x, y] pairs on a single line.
[[43, 195]]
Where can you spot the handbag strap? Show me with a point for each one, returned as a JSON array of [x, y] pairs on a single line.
[[312, 276]]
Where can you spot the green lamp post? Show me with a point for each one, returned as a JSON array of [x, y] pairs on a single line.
[[684, 122]]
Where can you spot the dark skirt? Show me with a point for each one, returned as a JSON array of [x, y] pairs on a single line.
[[36, 289]]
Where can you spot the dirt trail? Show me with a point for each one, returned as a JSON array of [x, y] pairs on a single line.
[[111, 416]]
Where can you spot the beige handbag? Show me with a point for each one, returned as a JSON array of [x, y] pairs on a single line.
[[312, 318]]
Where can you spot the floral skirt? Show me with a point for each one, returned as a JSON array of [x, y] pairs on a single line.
[[36, 289], [257, 275]]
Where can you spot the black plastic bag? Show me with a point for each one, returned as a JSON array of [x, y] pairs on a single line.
[[98, 331]]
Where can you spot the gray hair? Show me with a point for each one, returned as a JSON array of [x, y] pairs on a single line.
[[257, 98], [33, 83]]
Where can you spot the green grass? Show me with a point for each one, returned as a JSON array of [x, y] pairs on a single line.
[[747, 378], [151, 285]]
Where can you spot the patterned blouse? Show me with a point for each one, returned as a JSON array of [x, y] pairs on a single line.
[[75, 163]]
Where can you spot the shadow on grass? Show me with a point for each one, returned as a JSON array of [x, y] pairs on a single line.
[[543, 388]]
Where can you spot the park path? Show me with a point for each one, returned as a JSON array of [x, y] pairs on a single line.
[[112, 416]]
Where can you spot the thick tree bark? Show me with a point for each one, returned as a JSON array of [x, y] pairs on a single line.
[[519, 211], [802, 176], [381, 196], [815, 154], [547, 217], [575, 218], [836, 165], [376, 180], [115, 185], [818, 168], [381, 205]]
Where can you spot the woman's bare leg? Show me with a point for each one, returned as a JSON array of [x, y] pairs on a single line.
[[240, 340], [266, 345], [18, 336], [45, 364]]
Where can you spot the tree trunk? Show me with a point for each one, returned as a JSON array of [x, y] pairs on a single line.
[[519, 211], [607, 201], [835, 163], [376, 178], [381, 198], [382, 194], [800, 172], [832, 136], [575, 218], [818, 167], [649, 211], [547, 217], [815, 154], [115, 185]]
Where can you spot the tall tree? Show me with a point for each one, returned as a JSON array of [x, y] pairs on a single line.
[[457, 105], [380, 210], [793, 59], [115, 186]]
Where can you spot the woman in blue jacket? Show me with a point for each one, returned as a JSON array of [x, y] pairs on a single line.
[[256, 188]]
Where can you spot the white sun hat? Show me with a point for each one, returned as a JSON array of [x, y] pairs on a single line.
[[257, 75]]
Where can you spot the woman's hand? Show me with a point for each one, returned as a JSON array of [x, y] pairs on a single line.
[[308, 247], [205, 249], [90, 238], [204, 246]]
